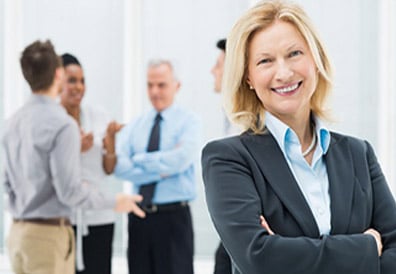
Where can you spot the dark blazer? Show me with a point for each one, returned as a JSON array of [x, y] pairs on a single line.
[[247, 176]]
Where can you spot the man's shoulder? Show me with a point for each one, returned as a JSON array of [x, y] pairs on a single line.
[[184, 114], [38, 123], [51, 117], [185, 110], [57, 117]]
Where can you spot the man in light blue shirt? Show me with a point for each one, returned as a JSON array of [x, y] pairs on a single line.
[[157, 152]]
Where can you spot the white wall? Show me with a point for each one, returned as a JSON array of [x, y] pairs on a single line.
[[90, 29], [387, 87]]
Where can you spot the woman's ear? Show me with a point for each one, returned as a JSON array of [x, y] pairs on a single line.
[[249, 83]]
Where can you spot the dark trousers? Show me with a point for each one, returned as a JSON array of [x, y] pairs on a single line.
[[222, 261], [161, 243], [97, 249]]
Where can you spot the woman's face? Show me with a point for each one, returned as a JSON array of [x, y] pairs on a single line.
[[281, 71], [74, 86]]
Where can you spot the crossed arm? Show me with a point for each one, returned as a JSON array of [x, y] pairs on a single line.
[[146, 167], [235, 208]]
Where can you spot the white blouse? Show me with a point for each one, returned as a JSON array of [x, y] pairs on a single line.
[[92, 120]]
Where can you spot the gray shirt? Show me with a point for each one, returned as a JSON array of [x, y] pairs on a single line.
[[42, 163]]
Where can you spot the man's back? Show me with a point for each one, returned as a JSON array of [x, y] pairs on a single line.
[[42, 172], [29, 140]]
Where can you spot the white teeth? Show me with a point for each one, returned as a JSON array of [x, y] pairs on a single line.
[[287, 89]]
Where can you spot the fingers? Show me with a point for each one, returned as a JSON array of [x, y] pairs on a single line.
[[138, 211], [377, 237], [119, 127], [265, 225], [113, 127], [137, 198], [87, 137], [135, 208], [128, 204], [86, 141]]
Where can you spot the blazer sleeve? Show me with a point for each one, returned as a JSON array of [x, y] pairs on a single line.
[[384, 214], [235, 206]]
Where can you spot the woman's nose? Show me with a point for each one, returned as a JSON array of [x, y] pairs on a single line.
[[284, 71]]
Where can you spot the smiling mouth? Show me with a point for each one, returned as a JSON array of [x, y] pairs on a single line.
[[288, 89]]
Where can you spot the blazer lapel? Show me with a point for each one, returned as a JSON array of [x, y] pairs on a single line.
[[269, 157], [340, 172]]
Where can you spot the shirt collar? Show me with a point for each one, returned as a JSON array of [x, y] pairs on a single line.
[[165, 114], [323, 134], [40, 98], [282, 133]]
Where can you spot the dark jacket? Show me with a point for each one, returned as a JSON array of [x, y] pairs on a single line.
[[247, 176]]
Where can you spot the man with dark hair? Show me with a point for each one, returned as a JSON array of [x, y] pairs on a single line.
[[42, 175], [222, 259], [39, 63], [218, 68]]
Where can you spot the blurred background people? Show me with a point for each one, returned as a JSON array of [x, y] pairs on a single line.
[[157, 151], [217, 72], [94, 228], [222, 259], [218, 68], [42, 172]]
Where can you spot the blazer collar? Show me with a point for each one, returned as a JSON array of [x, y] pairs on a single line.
[[341, 174], [269, 157]]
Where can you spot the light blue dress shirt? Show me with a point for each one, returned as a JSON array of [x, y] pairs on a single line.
[[173, 165], [312, 179]]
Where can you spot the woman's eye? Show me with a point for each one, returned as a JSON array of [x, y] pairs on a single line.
[[295, 53], [264, 61]]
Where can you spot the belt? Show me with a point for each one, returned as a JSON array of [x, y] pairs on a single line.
[[51, 221], [155, 208]]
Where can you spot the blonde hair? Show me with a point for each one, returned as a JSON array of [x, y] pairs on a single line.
[[242, 104]]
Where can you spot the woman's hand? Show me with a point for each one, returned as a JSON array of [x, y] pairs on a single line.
[[86, 140], [265, 225], [109, 156], [377, 237], [109, 140]]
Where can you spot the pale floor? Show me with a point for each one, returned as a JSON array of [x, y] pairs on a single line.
[[201, 265]]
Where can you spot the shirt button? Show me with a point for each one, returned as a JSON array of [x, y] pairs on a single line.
[[321, 211]]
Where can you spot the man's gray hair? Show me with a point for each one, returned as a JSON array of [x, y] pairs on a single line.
[[158, 62]]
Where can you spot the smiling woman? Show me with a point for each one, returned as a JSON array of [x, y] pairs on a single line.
[[282, 71], [289, 195]]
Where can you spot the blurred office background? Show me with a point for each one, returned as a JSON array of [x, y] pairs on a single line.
[[114, 39]]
